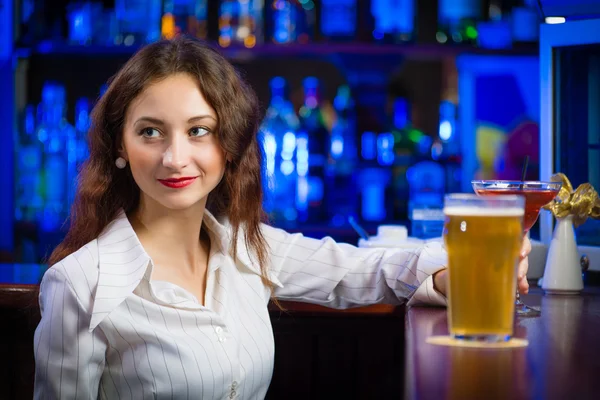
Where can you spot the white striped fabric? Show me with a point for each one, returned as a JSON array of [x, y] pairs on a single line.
[[108, 331]]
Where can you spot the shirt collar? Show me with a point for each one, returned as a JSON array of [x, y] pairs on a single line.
[[123, 262]]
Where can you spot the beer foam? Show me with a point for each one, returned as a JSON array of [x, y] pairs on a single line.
[[466, 211]]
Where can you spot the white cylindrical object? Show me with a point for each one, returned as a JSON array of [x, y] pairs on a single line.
[[562, 274], [398, 232]]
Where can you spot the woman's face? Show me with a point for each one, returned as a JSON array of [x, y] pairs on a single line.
[[170, 142]]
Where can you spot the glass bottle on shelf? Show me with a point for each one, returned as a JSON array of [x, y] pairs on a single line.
[[84, 19], [338, 19], [59, 168], [138, 21], [373, 178], [314, 129], [457, 21], [278, 134], [82, 125], [394, 20], [291, 21], [184, 17], [405, 139], [240, 21], [31, 23], [28, 200], [341, 165], [447, 148]]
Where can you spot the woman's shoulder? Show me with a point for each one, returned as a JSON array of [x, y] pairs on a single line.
[[86, 257], [78, 270]]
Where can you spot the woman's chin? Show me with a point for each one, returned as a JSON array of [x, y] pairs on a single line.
[[181, 203]]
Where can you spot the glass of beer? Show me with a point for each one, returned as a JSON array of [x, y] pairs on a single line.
[[483, 239]]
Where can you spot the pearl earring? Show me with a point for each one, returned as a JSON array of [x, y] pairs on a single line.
[[120, 162]]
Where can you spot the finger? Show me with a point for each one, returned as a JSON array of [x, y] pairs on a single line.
[[525, 248], [523, 268], [522, 283], [523, 286], [440, 280]]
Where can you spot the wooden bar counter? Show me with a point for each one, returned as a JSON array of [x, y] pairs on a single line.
[[562, 360]]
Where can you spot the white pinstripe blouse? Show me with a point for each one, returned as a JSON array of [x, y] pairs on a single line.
[[108, 331]]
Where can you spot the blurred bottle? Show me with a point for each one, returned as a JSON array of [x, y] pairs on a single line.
[[373, 179], [283, 20], [28, 156], [278, 132], [343, 149], [426, 181], [447, 133], [394, 20], [405, 146], [106, 30], [312, 122], [373, 183], [31, 21], [82, 125], [302, 157], [457, 21], [139, 21], [84, 18], [240, 21], [58, 138], [342, 161], [184, 17], [368, 147], [446, 149], [291, 21], [339, 19]]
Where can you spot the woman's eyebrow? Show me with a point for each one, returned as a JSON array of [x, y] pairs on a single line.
[[199, 117], [155, 121]]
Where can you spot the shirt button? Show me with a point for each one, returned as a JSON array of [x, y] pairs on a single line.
[[234, 385], [232, 394], [220, 335]]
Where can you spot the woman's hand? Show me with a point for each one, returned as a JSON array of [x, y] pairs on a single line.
[[440, 281], [522, 283], [440, 278]]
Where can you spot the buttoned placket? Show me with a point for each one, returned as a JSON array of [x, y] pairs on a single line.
[[233, 392], [220, 332]]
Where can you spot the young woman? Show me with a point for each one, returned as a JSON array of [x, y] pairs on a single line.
[[160, 288]]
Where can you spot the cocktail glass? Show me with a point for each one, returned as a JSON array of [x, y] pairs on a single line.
[[537, 194]]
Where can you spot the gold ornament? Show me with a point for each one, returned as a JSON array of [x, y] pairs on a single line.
[[581, 203]]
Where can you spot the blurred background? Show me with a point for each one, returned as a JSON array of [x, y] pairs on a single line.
[[372, 109]]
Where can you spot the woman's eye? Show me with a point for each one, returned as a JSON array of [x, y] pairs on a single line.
[[198, 131], [150, 132]]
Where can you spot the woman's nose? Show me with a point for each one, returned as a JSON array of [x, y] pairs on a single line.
[[177, 155]]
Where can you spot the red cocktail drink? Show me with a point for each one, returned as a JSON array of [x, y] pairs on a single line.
[[535, 199]]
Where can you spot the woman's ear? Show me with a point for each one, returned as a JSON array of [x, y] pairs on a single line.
[[123, 153]]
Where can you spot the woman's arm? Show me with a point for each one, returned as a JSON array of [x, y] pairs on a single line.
[[340, 275], [69, 359]]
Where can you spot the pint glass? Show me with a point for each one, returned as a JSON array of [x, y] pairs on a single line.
[[483, 239]]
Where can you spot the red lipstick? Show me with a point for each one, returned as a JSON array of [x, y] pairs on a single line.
[[178, 183]]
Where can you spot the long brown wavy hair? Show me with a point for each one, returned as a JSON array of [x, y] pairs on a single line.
[[103, 190]]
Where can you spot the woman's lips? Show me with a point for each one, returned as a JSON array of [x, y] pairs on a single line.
[[177, 183]]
